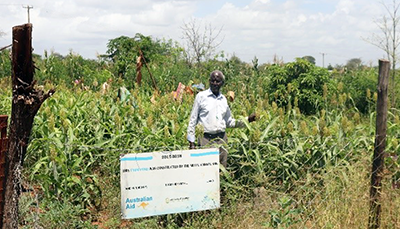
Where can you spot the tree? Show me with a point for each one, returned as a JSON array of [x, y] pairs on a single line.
[[129, 54], [123, 52], [354, 64], [358, 83], [388, 41], [310, 59], [299, 84], [201, 44]]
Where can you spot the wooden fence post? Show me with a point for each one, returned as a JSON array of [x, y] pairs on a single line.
[[380, 145], [3, 151], [148, 69], [26, 101]]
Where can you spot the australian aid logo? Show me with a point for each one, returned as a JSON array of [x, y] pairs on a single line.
[[138, 202]]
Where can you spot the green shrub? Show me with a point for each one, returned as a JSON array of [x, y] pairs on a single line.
[[299, 84], [360, 86]]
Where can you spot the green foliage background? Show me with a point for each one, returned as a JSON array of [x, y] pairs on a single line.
[[315, 131]]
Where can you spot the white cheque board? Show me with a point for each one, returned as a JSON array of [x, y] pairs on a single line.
[[160, 183]]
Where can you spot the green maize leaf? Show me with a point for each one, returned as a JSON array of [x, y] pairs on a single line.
[[39, 164], [77, 163], [246, 123], [76, 180], [244, 136], [266, 131], [71, 135]]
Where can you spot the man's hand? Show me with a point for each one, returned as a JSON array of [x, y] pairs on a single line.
[[191, 145], [252, 117]]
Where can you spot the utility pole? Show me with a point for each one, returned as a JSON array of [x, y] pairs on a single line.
[[323, 59], [28, 7]]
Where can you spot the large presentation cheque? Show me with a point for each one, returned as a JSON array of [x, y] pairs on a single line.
[[160, 183]]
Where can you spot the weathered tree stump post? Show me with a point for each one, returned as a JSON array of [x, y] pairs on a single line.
[[26, 101], [380, 145]]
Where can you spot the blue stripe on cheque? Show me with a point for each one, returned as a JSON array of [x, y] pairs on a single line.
[[136, 158], [204, 154]]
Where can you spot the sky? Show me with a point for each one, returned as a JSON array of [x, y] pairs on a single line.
[[332, 31]]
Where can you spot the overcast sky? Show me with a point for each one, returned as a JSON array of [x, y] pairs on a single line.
[[333, 29]]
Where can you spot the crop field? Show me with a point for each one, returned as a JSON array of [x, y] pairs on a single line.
[[305, 162]]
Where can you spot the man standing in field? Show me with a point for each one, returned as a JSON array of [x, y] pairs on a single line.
[[211, 110]]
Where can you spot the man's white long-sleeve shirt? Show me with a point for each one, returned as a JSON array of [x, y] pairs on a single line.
[[212, 112]]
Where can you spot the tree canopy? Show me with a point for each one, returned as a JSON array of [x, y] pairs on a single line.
[[123, 51], [310, 59]]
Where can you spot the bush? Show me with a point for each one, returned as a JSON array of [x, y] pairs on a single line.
[[360, 86], [300, 84]]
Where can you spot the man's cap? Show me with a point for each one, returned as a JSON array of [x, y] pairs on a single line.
[[217, 73]]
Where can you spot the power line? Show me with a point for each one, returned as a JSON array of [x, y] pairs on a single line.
[[28, 7]]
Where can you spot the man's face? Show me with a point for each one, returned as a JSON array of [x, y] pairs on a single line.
[[216, 83]]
